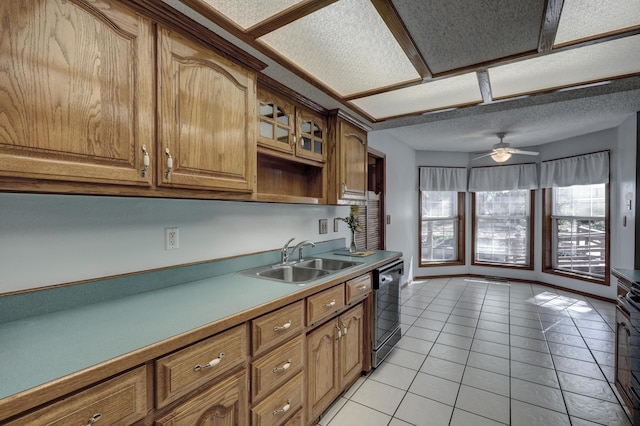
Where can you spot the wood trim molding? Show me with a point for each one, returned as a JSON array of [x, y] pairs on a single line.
[[287, 16], [390, 16], [550, 22]]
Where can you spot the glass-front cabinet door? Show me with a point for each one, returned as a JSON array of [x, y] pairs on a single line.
[[275, 120], [311, 136]]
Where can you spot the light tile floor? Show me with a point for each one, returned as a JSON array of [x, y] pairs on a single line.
[[491, 353]]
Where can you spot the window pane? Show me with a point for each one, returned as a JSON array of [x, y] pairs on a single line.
[[502, 241], [439, 227], [439, 240], [579, 200], [502, 227], [580, 246]]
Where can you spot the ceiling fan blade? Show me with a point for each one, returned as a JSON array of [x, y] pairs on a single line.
[[484, 155], [519, 151]]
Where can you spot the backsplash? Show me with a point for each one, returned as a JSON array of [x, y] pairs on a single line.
[[54, 239]]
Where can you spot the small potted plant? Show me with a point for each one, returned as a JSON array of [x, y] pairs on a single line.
[[354, 226]]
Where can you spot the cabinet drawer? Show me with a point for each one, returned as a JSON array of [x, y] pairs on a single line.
[[185, 370], [358, 288], [324, 304], [119, 401], [277, 367], [277, 408], [277, 326]]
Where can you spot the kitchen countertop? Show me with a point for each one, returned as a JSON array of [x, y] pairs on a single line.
[[632, 275], [43, 348]]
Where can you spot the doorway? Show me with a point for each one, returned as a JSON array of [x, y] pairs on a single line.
[[372, 215]]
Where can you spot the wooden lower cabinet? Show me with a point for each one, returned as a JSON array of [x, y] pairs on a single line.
[[334, 358], [224, 404], [121, 400]]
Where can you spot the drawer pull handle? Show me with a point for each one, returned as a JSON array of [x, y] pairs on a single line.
[[282, 327], [145, 161], [169, 164], [285, 367], [283, 409], [330, 305], [211, 363], [362, 287], [94, 418]]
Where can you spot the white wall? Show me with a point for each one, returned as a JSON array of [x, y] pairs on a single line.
[[52, 239], [401, 197]]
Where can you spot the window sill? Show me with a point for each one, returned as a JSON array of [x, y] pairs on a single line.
[[580, 277]]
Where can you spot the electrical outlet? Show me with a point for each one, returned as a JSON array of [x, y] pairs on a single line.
[[323, 226], [336, 221], [171, 238]]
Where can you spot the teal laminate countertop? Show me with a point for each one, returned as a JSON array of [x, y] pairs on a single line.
[[632, 275], [43, 348]]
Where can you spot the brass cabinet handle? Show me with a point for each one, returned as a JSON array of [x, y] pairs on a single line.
[[284, 409], [331, 304], [145, 161], [169, 164], [282, 327], [94, 418], [361, 287], [284, 367], [210, 364]]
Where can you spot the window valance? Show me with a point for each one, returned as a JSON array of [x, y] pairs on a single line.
[[503, 178], [443, 179], [579, 170]]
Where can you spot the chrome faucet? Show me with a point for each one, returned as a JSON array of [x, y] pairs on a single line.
[[301, 245], [284, 252]]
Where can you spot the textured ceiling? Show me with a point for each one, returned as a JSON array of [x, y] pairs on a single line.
[[454, 37], [456, 34]]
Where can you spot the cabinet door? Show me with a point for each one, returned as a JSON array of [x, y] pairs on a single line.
[[275, 122], [352, 162], [311, 136], [322, 369], [207, 114], [77, 96], [351, 344], [225, 404], [623, 355]]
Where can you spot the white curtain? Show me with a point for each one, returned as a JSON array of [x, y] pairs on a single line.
[[503, 178], [443, 179], [579, 170]]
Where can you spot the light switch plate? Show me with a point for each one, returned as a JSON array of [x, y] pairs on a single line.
[[323, 226], [336, 221]]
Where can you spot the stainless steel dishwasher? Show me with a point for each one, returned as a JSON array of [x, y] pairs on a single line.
[[385, 321]]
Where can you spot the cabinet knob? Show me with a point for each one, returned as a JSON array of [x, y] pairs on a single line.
[[94, 418], [210, 364], [145, 161], [282, 327], [284, 409], [169, 164]]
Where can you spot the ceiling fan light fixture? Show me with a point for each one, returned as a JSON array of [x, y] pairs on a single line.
[[500, 156]]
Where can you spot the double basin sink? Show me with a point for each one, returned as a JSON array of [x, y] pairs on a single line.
[[300, 272]]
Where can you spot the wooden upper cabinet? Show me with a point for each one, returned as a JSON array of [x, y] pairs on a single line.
[[77, 91], [291, 130], [311, 135], [207, 116], [276, 122], [348, 162]]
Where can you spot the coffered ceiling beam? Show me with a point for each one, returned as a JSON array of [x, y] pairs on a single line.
[[549, 25], [390, 16], [287, 16]]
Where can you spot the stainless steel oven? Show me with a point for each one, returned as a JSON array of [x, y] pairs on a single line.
[[385, 326]]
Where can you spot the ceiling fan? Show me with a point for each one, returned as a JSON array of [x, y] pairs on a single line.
[[502, 151]]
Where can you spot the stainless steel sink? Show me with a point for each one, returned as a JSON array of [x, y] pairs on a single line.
[[300, 272], [292, 274], [327, 264]]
